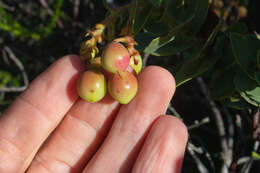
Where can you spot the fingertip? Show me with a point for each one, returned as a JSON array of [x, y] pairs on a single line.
[[159, 74], [174, 126], [74, 60]]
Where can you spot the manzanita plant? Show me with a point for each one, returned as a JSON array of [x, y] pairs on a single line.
[[215, 40], [115, 66], [228, 56]]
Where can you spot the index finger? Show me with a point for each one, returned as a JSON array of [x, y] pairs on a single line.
[[36, 113]]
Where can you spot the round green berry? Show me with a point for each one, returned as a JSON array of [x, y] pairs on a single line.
[[115, 57], [92, 86], [123, 86]]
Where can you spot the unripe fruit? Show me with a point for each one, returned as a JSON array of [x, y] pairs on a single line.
[[123, 86], [136, 63], [218, 4], [242, 12], [92, 86], [115, 57]]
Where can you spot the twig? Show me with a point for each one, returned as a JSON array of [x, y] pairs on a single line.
[[76, 8], [246, 168], [192, 148], [12, 89], [201, 167], [205, 152], [5, 58], [231, 129], [196, 149], [21, 68], [243, 160], [227, 156], [255, 124], [46, 6], [237, 147], [199, 123], [50, 12], [174, 112], [7, 7]]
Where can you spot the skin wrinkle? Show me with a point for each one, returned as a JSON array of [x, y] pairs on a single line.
[[38, 161], [148, 165], [25, 154], [29, 103], [24, 121], [50, 87], [83, 122], [42, 161], [12, 149], [164, 147], [162, 151], [81, 146], [106, 107], [59, 162], [75, 115], [20, 100], [68, 149], [7, 158], [153, 158]]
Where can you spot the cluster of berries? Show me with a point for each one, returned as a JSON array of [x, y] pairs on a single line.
[[115, 72]]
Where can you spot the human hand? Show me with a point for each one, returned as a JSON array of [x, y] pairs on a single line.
[[49, 129]]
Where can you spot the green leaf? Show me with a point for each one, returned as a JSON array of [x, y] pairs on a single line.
[[182, 10], [247, 88], [200, 14], [5, 78], [143, 39], [143, 11], [200, 63], [178, 45], [12, 26], [194, 68], [255, 155], [221, 85], [157, 27], [239, 104], [245, 50], [224, 71], [238, 27], [156, 3], [161, 41]]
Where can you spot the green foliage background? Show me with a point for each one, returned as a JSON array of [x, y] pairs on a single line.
[[189, 38]]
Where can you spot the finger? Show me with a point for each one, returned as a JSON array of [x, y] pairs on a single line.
[[120, 148], [164, 147], [36, 112], [77, 138]]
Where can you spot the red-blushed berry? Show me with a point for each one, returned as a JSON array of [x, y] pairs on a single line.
[[92, 86], [115, 57], [123, 86]]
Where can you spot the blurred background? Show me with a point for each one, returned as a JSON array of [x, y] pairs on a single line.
[[35, 33]]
